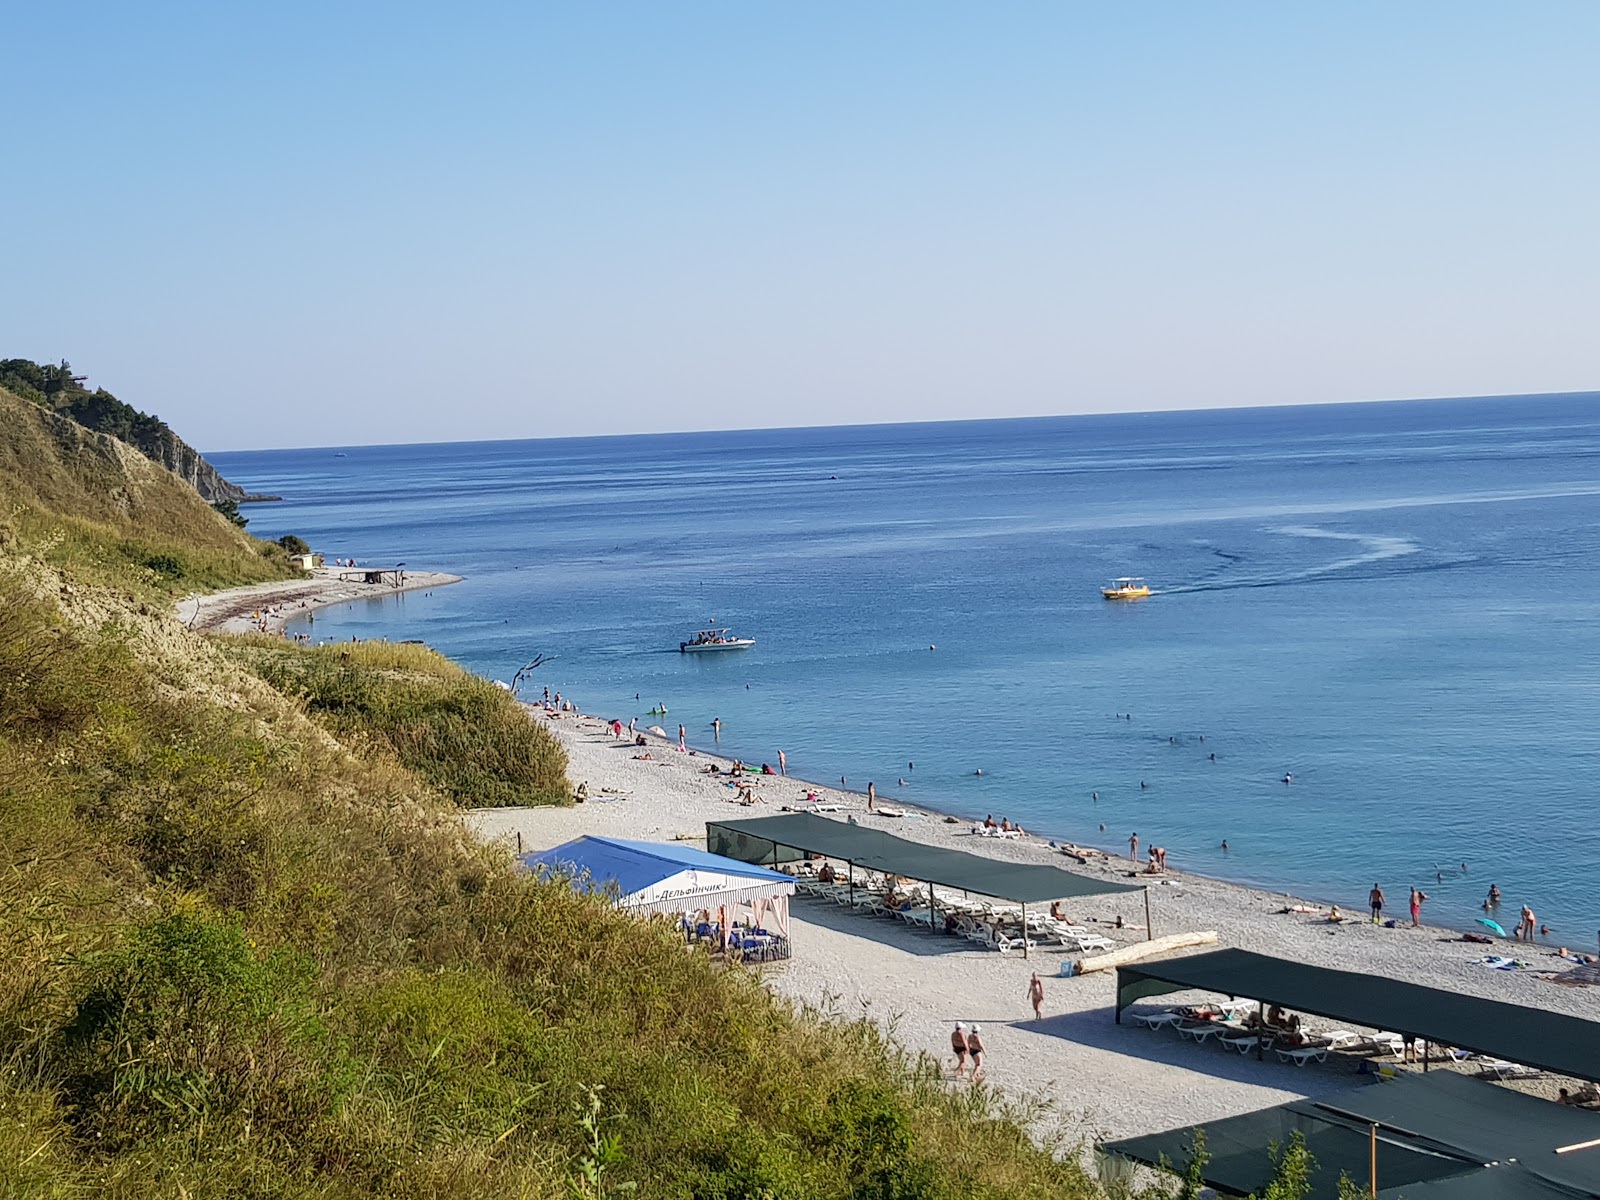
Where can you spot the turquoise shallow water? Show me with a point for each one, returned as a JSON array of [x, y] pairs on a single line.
[[1399, 604]]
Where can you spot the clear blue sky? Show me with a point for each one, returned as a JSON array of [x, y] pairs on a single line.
[[315, 224]]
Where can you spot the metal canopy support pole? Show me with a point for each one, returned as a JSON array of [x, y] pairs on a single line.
[[1372, 1162], [1149, 932], [850, 867], [933, 909], [1024, 930]]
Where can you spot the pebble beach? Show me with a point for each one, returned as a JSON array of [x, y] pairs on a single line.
[[1093, 1077]]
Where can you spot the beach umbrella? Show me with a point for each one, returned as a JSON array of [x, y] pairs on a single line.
[[1494, 925]]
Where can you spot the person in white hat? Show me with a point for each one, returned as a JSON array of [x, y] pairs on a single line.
[[975, 1052]]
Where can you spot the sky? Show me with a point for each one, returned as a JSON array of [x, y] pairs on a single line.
[[324, 224]]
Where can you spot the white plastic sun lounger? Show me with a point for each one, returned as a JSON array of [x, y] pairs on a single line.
[[1301, 1055], [1155, 1020], [1501, 1069]]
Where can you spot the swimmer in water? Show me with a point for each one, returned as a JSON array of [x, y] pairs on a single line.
[[1095, 796], [1213, 758], [1143, 784], [979, 771], [1224, 843], [1287, 778]]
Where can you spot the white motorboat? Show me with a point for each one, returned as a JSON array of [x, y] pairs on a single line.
[[714, 639]]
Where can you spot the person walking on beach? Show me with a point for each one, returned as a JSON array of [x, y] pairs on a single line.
[[1133, 848], [1036, 996], [958, 1043], [683, 738], [1525, 927], [783, 763], [975, 1052], [1417, 897], [1375, 899]]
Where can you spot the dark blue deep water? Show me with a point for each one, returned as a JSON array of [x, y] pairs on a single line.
[[1399, 604]]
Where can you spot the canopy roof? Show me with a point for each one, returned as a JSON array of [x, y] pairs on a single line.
[[659, 876], [1441, 1136], [788, 837], [1551, 1041]]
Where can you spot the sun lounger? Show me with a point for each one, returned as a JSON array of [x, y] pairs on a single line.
[[1387, 1043], [1499, 1068], [1199, 1031], [1301, 1055], [1237, 1008], [1086, 943], [1155, 1020], [1242, 1042], [1335, 1039]]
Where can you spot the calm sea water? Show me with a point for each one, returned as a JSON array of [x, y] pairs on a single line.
[[1397, 604]]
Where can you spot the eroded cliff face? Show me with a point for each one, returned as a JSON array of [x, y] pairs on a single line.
[[104, 413], [189, 465]]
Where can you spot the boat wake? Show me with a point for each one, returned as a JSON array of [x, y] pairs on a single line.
[[1375, 548]]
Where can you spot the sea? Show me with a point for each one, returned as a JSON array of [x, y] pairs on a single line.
[[1370, 655]]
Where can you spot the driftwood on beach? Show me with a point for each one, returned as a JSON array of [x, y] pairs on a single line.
[[1143, 950]]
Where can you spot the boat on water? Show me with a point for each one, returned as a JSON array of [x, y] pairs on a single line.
[[1129, 587], [714, 639]]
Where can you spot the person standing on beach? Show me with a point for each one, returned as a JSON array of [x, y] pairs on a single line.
[[1036, 996], [958, 1043], [683, 738], [872, 796], [1375, 899], [783, 763], [1133, 848], [975, 1052], [1417, 897], [1526, 926]]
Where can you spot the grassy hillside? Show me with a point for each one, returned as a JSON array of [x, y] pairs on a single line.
[[81, 500], [251, 953], [459, 733]]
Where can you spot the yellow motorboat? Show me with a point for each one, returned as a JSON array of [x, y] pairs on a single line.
[[1129, 588]]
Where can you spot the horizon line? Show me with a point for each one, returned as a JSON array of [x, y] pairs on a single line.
[[1143, 412]]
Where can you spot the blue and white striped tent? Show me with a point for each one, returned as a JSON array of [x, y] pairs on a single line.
[[663, 877]]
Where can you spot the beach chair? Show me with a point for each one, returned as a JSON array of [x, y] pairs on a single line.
[[1199, 1031], [1087, 942], [1236, 1009], [1499, 1068], [1338, 1039], [1301, 1055], [1005, 943], [1386, 1043], [1241, 1041], [1157, 1020]]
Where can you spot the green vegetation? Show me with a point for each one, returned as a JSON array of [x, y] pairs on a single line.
[[251, 953], [84, 502], [463, 735], [247, 961]]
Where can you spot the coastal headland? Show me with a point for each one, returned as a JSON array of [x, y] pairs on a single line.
[[1099, 1077], [268, 607]]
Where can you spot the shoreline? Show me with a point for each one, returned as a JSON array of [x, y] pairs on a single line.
[[913, 983], [269, 607]]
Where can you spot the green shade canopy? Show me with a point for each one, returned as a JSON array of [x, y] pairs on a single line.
[[768, 841], [1550, 1041], [1441, 1136]]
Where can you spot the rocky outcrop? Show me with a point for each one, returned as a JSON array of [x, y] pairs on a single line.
[[104, 413]]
